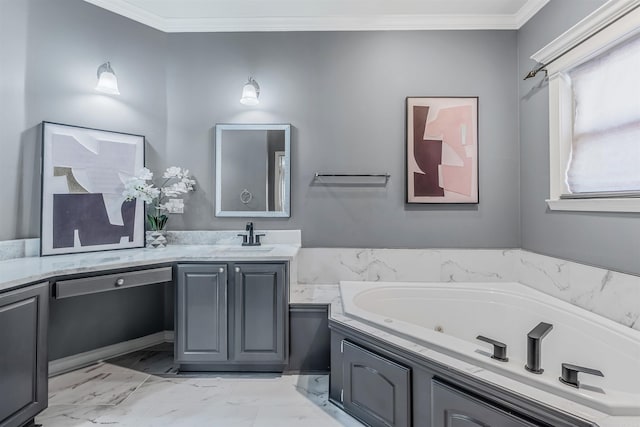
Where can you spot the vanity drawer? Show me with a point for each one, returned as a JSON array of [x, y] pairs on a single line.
[[110, 282]]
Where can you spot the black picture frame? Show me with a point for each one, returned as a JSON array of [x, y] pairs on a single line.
[[83, 171]]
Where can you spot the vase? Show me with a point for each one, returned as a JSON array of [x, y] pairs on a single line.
[[156, 239]]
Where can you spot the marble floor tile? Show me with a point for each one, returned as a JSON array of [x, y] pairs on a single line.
[[150, 361], [101, 384], [121, 392]]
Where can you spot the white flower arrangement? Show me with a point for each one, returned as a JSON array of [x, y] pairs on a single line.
[[176, 182]]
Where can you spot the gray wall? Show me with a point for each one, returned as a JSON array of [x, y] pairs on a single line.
[[605, 240], [15, 193], [50, 52], [344, 94]]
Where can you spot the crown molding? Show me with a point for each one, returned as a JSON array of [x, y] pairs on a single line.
[[324, 23], [127, 10], [527, 12], [597, 21]]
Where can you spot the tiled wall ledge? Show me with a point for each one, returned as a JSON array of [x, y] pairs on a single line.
[[11, 249], [605, 292], [23, 248]]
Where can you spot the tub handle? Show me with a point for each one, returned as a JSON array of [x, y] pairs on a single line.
[[570, 374], [499, 348]]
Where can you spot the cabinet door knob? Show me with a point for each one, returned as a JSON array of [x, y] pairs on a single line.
[[237, 269], [221, 270], [119, 282]]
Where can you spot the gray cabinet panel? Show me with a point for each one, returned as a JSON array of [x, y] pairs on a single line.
[[23, 354], [259, 320], [310, 349], [455, 408], [376, 390], [201, 313]]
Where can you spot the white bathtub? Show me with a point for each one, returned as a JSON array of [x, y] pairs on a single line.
[[506, 312]]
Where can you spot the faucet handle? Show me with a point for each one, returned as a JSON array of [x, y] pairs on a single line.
[[244, 238], [257, 237], [570, 374], [499, 348]]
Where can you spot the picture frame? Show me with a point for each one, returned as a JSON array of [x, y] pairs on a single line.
[[83, 171], [441, 156]]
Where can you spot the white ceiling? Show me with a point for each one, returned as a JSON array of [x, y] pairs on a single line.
[[324, 15]]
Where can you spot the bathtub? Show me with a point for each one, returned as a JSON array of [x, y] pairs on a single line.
[[447, 317]]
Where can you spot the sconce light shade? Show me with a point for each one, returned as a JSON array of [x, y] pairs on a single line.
[[107, 80], [250, 93]]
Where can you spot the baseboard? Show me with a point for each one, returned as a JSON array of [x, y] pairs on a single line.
[[80, 360]]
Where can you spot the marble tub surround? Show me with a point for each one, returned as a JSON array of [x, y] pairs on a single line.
[[605, 292], [17, 272], [608, 293], [331, 265], [338, 317], [12, 249]]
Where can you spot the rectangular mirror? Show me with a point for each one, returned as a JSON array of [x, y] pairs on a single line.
[[253, 165]]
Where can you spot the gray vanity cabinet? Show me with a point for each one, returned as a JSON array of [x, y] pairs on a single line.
[[23, 354], [376, 390], [454, 408], [260, 309], [201, 313], [235, 321]]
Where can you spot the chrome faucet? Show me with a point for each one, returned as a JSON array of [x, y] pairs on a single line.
[[250, 239], [534, 346]]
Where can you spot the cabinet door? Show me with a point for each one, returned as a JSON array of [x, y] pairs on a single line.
[[455, 408], [376, 390], [201, 313], [260, 309], [23, 354]]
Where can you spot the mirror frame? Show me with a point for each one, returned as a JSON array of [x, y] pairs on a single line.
[[286, 213]]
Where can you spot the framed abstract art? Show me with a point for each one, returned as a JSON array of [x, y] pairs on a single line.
[[442, 150], [83, 174]]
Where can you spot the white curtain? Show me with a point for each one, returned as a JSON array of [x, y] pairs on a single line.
[[605, 153]]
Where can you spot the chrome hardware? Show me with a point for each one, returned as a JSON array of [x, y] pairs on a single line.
[[499, 348], [221, 270], [250, 239], [570, 374], [237, 269], [534, 347], [119, 282]]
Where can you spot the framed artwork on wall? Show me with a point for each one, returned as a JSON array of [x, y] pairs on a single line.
[[83, 175], [442, 150]]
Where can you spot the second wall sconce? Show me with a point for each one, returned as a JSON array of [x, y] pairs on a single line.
[[107, 80], [250, 93]]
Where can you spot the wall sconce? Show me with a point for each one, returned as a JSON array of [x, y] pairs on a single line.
[[250, 93], [107, 80]]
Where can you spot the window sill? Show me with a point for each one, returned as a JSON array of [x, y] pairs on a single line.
[[595, 205]]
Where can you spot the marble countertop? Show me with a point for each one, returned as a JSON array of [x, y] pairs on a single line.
[[17, 272], [331, 294]]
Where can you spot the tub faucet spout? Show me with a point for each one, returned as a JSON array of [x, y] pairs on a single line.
[[534, 346]]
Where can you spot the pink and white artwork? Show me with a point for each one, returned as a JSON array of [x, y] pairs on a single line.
[[442, 150]]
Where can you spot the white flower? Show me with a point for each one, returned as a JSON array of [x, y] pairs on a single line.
[[172, 172], [145, 174], [141, 187]]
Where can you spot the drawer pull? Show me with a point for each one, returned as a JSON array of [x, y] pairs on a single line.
[[221, 270], [119, 282], [237, 269]]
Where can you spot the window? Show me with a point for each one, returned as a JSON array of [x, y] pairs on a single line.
[[594, 111]]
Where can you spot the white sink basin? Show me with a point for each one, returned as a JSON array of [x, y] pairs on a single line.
[[243, 249]]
